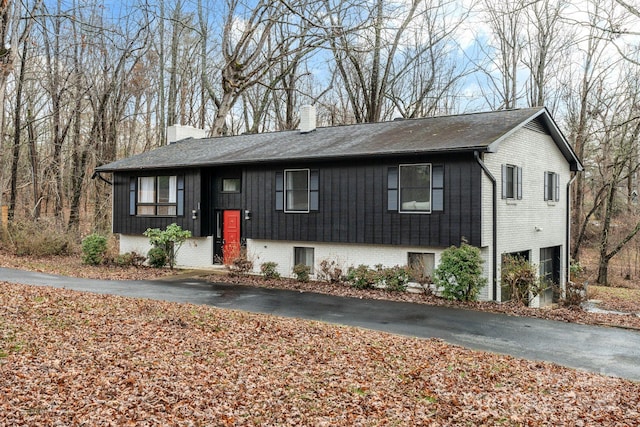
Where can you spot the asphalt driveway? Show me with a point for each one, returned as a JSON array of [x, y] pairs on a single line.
[[605, 350]]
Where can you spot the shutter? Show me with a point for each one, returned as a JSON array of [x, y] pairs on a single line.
[[438, 188], [519, 182], [504, 181], [556, 179], [180, 195], [279, 191], [314, 190], [392, 189], [546, 186], [132, 196]]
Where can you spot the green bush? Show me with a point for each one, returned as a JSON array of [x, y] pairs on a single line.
[[459, 273], [391, 278], [519, 280], [169, 240], [270, 270], [361, 277], [157, 257], [38, 238], [394, 278], [94, 249], [302, 272]]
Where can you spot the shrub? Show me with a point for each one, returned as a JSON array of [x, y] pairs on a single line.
[[169, 240], [361, 277], [302, 272], [330, 271], [394, 278], [391, 278], [519, 280], [575, 295], [459, 273], [129, 259], [241, 264], [94, 248], [157, 257], [38, 238], [269, 270]]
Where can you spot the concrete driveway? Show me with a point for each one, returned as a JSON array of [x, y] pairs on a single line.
[[604, 350]]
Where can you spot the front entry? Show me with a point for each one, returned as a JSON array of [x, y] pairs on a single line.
[[230, 235]]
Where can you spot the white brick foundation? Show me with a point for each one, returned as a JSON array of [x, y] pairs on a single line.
[[195, 252]]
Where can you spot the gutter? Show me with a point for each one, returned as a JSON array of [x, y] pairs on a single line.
[[96, 174], [494, 255], [568, 230]]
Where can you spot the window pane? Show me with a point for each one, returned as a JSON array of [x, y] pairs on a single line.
[[167, 210], [297, 190], [415, 188], [146, 192], [303, 256], [510, 182], [166, 189], [146, 210], [231, 185], [421, 265]]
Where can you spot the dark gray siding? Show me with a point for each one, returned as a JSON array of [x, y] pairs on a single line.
[[131, 224], [353, 206]]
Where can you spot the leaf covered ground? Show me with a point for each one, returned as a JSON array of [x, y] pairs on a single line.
[[609, 297], [71, 358]]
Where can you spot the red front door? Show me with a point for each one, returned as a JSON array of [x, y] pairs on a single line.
[[231, 236]]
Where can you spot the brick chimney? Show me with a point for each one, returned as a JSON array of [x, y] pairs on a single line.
[[307, 118]]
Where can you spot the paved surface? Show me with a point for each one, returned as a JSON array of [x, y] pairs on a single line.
[[609, 351]]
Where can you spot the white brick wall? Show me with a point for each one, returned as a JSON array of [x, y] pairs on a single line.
[[518, 220], [346, 255], [195, 252]]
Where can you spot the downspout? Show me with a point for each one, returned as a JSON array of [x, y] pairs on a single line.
[[568, 231], [494, 255]]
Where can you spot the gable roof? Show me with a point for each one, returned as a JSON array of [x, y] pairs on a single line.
[[459, 133]]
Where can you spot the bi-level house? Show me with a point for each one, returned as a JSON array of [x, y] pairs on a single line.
[[387, 193]]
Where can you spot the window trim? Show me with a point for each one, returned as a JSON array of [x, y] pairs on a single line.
[[134, 197], [228, 178], [306, 249], [555, 187], [287, 190], [516, 186], [400, 210]]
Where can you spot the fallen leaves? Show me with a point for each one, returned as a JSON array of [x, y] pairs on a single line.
[[74, 358]]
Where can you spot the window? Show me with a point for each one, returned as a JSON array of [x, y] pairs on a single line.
[[550, 265], [551, 186], [230, 185], [303, 256], [415, 188], [156, 196], [421, 265], [297, 190], [511, 182]]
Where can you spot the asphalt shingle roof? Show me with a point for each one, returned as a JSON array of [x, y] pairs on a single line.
[[466, 132]]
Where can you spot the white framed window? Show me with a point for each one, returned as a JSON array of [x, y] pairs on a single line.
[[430, 190], [297, 190], [157, 196], [551, 187], [511, 182], [415, 188]]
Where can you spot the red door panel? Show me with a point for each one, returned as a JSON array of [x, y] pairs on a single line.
[[231, 236]]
